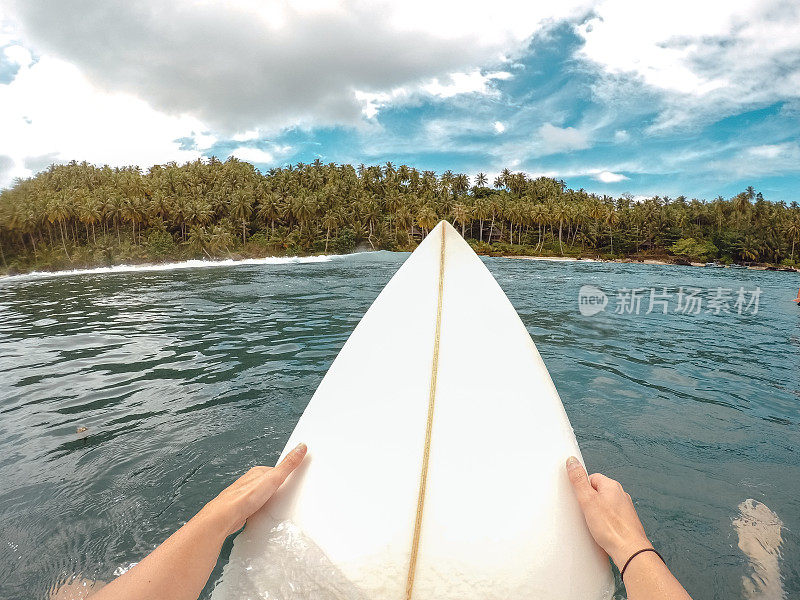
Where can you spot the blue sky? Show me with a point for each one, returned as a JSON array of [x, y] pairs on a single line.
[[611, 96]]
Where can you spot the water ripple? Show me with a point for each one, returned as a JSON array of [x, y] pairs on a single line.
[[184, 377]]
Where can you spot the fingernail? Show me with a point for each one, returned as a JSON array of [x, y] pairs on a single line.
[[300, 447], [572, 461]]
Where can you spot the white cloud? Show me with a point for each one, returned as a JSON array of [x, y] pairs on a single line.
[[52, 113], [18, 55], [245, 136], [454, 84], [557, 139], [463, 83], [768, 159], [205, 139], [270, 63], [652, 49], [772, 150], [253, 155], [119, 81], [621, 136], [609, 177], [259, 155], [707, 59], [606, 175]]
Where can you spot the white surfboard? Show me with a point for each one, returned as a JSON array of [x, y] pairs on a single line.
[[437, 443]]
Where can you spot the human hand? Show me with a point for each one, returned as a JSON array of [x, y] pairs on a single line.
[[609, 513], [236, 503]]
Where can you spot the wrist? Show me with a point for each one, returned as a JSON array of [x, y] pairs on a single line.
[[217, 518], [621, 554]]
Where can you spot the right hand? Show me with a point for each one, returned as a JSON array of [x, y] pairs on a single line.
[[609, 513]]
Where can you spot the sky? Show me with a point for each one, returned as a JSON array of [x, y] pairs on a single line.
[[614, 96]]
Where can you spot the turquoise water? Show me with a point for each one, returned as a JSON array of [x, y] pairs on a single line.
[[184, 378]]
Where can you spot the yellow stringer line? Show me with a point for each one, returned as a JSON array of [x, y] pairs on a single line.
[[426, 455]]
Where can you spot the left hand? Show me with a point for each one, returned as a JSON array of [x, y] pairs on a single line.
[[236, 503]]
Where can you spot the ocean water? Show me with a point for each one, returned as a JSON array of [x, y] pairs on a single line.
[[185, 377]]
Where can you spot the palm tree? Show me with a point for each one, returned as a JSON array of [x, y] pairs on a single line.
[[242, 209], [60, 212], [303, 209], [560, 213], [595, 212], [792, 230], [329, 221], [269, 211], [539, 216], [505, 177], [219, 239], [90, 215], [495, 208], [198, 240], [750, 248], [611, 219], [460, 184], [446, 182], [481, 211], [513, 215], [741, 204], [426, 218], [461, 215], [116, 212], [210, 203]]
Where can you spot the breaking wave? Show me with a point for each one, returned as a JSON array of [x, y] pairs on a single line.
[[187, 264]]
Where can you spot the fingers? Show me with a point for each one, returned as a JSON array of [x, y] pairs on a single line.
[[262, 488], [252, 475], [254, 472], [580, 481], [289, 463], [601, 483]]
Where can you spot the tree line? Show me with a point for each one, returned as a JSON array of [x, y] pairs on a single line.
[[78, 214]]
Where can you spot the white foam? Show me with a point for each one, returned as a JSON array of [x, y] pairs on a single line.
[[122, 569], [188, 264]]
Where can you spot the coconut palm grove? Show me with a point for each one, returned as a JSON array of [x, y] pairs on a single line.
[[79, 215]]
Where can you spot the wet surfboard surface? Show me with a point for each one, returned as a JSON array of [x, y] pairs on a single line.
[[437, 443]]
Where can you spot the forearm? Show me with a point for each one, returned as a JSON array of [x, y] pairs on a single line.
[[178, 569], [648, 578]]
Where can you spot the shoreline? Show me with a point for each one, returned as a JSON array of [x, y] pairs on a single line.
[[650, 261], [193, 263], [319, 258]]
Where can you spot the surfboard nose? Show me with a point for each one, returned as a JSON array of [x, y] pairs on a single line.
[[445, 226]]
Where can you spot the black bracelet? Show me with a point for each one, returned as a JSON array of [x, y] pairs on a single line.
[[634, 555]]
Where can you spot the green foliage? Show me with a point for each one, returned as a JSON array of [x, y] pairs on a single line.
[[79, 215], [697, 249], [259, 240], [344, 242], [160, 242]]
